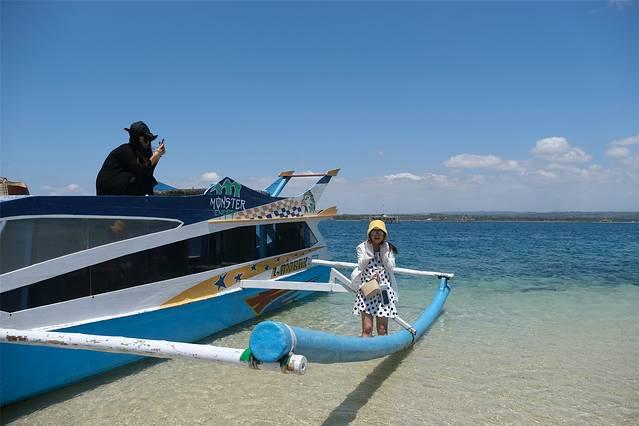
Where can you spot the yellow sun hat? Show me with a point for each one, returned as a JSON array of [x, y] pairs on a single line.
[[377, 224]]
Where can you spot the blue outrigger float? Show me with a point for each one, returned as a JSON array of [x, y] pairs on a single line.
[[271, 341], [222, 257]]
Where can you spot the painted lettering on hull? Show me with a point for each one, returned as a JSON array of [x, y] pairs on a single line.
[[291, 267], [222, 205]]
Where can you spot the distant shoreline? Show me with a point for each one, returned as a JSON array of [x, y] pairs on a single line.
[[595, 217]]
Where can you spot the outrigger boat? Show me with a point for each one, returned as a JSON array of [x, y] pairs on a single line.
[[162, 267], [190, 267]]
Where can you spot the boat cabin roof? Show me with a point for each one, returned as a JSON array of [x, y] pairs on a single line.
[[228, 196]]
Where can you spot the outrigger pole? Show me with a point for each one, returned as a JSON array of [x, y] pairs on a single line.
[[404, 271], [151, 348]]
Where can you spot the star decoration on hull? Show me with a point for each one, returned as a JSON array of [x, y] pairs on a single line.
[[220, 282]]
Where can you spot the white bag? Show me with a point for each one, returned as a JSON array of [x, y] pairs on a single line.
[[370, 288]]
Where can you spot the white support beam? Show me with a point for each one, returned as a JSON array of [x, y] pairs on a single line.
[[146, 347], [339, 278], [405, 271], [293, 285]]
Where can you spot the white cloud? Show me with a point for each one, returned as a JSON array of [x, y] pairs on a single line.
[[430, 177], [558, 150], [622, 149], [437, 178], [209, 177], [571, 172], [618, 152], [546, 174], [490, 162], [625, 151], [631, 140], [201, 181], [70, 189], [404, 175], [478, 179]]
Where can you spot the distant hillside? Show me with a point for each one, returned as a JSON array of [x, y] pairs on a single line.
[[508, 217]]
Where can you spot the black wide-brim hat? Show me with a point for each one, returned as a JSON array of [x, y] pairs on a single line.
[[139, 128]]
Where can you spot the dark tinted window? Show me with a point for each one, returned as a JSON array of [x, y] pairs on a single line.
[[58, 289], [286, 237], [24, 242], [182, 258]]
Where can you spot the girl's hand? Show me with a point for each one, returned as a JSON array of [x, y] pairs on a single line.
[[384, 248]]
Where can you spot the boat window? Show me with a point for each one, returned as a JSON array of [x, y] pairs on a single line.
[[25, 242], [238, 245], [204, 253], [287, 237], [174, 260], [290, 237], [270, 240], [69, 286]]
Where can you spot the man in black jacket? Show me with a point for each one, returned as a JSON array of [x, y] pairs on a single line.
[[128, 170]]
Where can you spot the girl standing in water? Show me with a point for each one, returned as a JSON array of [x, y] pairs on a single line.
[[376, 260]]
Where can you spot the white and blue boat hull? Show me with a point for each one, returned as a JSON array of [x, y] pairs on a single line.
[[27, 371]]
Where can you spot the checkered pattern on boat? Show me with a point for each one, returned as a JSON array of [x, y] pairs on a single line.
[[278, 209]]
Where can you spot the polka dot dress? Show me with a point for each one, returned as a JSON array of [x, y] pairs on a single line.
[[374, 305]]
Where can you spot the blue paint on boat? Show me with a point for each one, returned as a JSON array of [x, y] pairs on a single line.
[[270, 340], [26, 371], [188, 209]]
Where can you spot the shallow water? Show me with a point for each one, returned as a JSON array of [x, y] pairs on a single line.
[[541, 327]]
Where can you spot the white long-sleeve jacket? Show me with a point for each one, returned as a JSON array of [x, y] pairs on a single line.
[[365, 254]]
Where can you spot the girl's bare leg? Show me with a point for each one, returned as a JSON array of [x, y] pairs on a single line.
[[382, 326], [367, 325]]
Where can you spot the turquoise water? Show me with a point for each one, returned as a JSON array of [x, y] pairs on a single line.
[[541, 327], [517, 255]]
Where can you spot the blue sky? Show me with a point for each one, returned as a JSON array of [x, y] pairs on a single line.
[[425, 106]]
